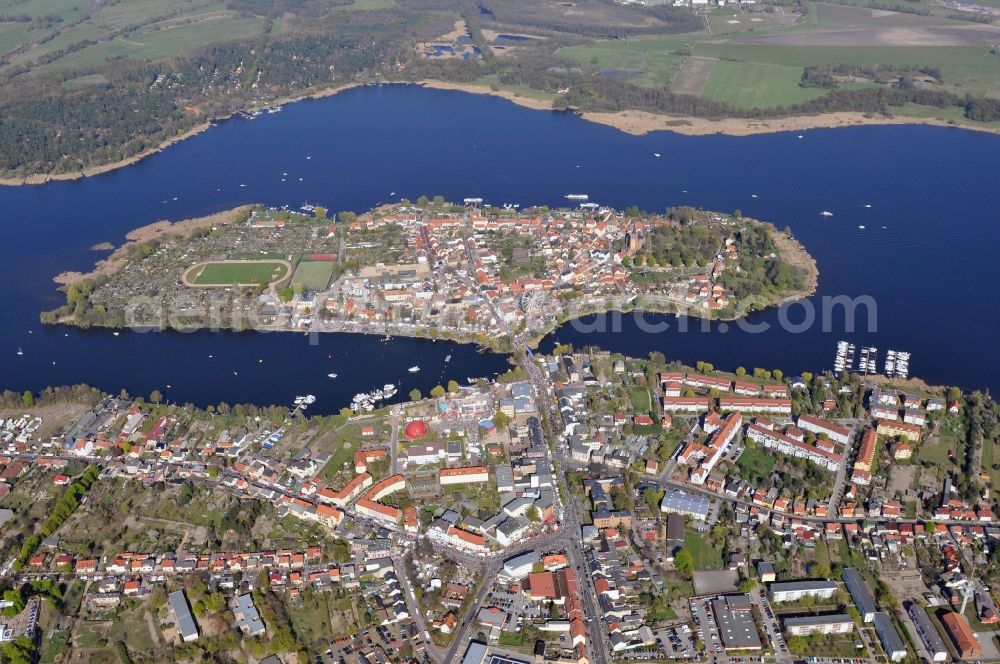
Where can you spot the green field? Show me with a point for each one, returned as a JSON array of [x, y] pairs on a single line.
[[950, 437], [963, 68], [233, 274], [705, 556], [147, 30], [313, 275], [755, 464], [753, 75], [640, 400], [753, 85], [311, 619], [365, 5], [652, 64]]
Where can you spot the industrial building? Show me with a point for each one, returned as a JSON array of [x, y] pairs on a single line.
[[678, 502], [737, 628]]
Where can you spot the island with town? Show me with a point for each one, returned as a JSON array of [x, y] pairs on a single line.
[[582, 507], [497, 276]]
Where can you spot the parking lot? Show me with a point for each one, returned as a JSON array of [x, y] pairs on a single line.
[[389, 637], [772, 627], [705, 628], [677, 642]]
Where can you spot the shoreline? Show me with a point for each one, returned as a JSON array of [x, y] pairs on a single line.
[[639, 123], [114, 262], [634, 122], [791, 251], [91, 171]]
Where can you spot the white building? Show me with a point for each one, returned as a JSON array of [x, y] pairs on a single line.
[[792, 591]]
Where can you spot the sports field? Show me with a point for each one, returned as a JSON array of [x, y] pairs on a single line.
[[236, 273], [313, 275]]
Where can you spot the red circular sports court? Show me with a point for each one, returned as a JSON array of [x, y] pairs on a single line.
[[415, 429]]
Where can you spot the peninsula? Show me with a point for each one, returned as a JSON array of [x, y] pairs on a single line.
[[499, 277]]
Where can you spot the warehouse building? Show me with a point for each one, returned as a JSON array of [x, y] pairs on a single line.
[[737, 628], [678, 502]]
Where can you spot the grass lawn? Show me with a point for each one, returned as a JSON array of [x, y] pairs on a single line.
[[132, 628], [936, 454], [364, 5], [84, 81], [158, 41], [755, 85], [821, 557], [90, 635], [705, 556], [652, 60], [640, 400], [827, 646], [311, 621], [751, 75], [343, 444], [516, 90], [963, 68], [313, 275], [230, 274], [726, 20], [755, 464], [53, 647]]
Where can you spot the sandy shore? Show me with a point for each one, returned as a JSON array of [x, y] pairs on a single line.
[[630, 122], [644, 122], [117, 259], [528, 102]]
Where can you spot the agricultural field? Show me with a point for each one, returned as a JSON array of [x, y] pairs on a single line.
[[754, 60], [313, 275], [237, 273], [365, 5], [754, 85], [90, 34], [643, 62], [729, 20]]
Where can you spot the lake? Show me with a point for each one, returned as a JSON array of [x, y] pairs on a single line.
[[926, 256]]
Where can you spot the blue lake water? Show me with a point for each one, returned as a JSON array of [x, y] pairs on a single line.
[[927, 255]]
